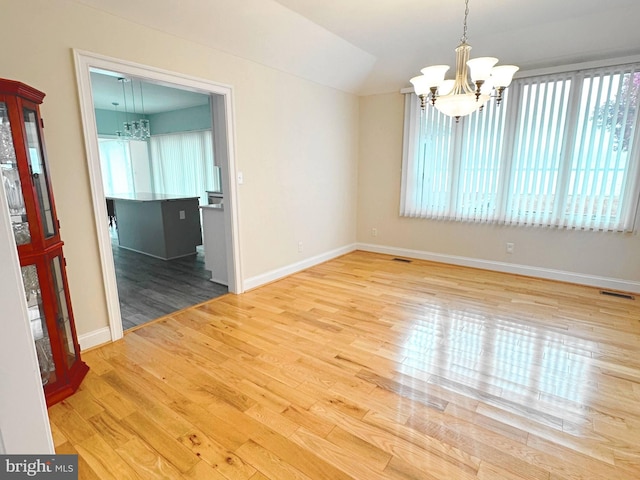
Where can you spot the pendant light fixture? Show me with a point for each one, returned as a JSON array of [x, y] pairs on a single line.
[[134, 128], [145, 126], [475, 82], [119, 133]]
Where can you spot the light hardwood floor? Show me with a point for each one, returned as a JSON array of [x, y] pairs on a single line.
[[368, 368]]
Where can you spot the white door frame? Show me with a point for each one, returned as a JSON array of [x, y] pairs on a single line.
[[222, 108]]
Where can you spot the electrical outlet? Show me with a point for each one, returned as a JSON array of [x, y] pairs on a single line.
[[182, 215], [374, 232], [510, 247], [300, 247]]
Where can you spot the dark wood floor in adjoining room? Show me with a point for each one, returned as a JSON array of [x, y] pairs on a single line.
[[367, 368], [150, 287]]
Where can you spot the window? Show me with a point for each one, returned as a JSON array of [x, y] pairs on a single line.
[[180, 164], [183, 164], [560, 151], [115, 162]]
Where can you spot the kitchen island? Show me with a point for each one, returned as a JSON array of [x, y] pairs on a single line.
[[159, 225]]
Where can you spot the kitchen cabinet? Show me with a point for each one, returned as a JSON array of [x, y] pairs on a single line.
[[214, 241]]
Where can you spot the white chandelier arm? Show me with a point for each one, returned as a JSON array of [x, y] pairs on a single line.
[[474, 81]]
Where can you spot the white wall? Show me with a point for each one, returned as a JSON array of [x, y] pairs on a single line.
[[295, 140], [609, 259]]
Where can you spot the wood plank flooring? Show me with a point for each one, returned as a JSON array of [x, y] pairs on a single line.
[[150, 288], [368, 368]]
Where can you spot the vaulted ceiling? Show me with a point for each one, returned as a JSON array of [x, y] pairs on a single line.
[[375, 46]]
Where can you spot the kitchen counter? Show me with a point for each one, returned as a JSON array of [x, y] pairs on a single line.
[[147, 197]]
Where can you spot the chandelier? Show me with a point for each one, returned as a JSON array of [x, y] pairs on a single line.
[[134, 127], [460, 97]]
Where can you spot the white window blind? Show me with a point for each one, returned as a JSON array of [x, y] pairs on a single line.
[[561, 151], [115, 163], [183, 164]]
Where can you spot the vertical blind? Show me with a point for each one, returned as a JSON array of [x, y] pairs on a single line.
[[536, 160], [183, 164], [560, 151], [115, 163]]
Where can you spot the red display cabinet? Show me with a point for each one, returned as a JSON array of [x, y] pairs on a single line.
[[24, 174]]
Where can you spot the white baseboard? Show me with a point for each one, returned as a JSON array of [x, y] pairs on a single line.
[[95, 338], [264, 278], [546, 273], [103, 335]]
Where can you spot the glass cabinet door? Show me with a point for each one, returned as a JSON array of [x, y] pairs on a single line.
[[37, 321], [38, 172], [11, 181], [63, 318]]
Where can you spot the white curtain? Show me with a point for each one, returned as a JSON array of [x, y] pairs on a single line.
[[561, 151], [115, 163], [183, 164]]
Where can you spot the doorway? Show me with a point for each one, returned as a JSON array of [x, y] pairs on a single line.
[[220, 100], [156, 142]]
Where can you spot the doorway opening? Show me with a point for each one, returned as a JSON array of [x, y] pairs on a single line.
[[135, 218], [156, 158]]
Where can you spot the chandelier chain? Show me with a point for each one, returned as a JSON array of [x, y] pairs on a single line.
[[463, 39], [122, 80]]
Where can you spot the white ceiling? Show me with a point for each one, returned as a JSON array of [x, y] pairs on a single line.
[[406, 35], [153, 98], [375, 46]]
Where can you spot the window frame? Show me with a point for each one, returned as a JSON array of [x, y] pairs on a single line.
[[411, 192]]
